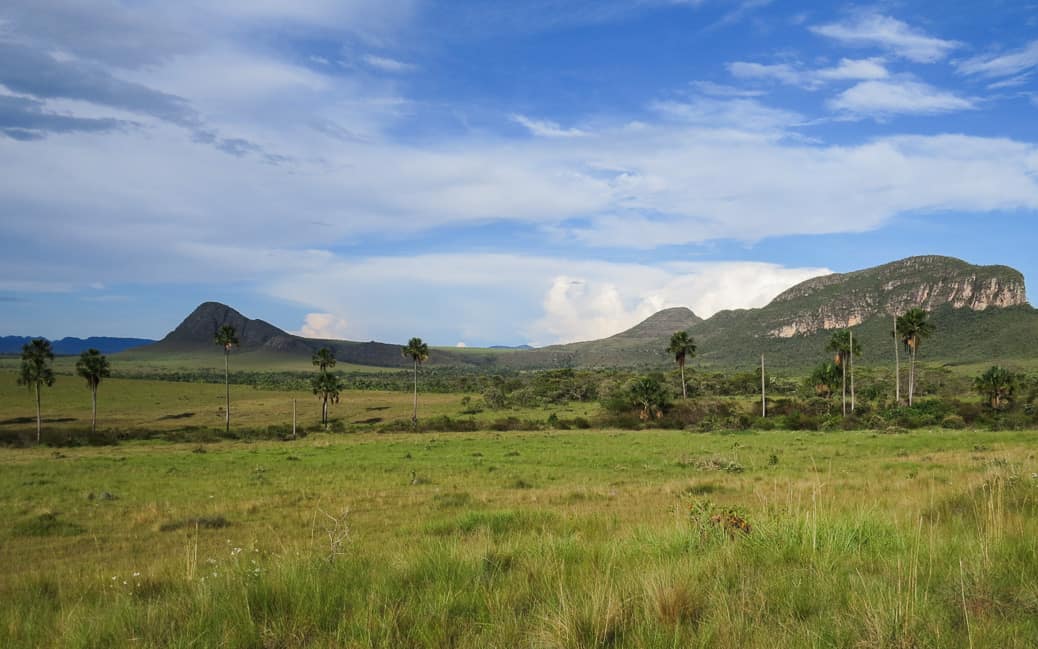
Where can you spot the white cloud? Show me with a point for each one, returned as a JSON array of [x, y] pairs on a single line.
[[721, 115], [460, 345], [1012, 82], [387, 64], [881, 98], [550, 300], [1002, 65], [721, 90], [543, 128], [854, 69], [847, 69], [783, 72], [591, 307], [889, 34], [324, 326]]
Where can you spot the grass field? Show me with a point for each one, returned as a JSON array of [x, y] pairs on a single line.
[[571, 539], [132, 405]]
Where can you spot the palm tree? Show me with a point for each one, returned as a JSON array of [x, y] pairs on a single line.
[[996, 384], [843, 346], [824, 379], [418, 352], [897, 364], [227, 338], [682, 346], [327, 388], [37, 372], [323, 359], [93, 366], [913, 327], [648, 395]]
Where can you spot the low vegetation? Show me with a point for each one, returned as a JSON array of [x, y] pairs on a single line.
[[599, 538]]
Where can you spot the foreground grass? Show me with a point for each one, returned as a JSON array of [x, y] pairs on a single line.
[[576, 539]]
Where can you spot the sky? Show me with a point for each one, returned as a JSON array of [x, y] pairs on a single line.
[[485, 172]]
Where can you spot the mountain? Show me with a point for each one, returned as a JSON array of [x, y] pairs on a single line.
[[845, 300], [74, 346], [639, 345], [980, 312], [197, 331]]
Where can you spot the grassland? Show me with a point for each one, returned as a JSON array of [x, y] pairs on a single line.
[[573, 539], [593, 538], [134, 405]]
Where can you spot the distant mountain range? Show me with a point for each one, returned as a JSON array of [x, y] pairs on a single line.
[[75, 346], [980, 312]]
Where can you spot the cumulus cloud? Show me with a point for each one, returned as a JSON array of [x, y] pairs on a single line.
[[325, 326], [550, 300], [889, 34]]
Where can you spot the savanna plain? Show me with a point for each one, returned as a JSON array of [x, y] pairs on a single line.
[[549, 538]]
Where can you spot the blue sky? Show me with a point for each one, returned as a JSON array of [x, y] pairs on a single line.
[[496, 173]]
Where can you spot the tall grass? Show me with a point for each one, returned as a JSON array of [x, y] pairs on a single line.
[[844, 550]]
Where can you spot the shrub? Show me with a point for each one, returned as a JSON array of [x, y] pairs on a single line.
[[953, 422]]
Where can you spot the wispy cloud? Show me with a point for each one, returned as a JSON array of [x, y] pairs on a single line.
[[1002, 65], [545, 128], [722, 90], [796, 75], [883, 98], [387, 64], [23, 118], [889, 34], [742, 114]]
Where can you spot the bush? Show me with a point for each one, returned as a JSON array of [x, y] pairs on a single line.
[[953, 422], [801, 421]]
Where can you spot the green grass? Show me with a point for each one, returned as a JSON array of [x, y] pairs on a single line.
[[135, 405], [928, 539]]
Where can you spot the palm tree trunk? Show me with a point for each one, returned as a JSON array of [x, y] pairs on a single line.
[[39, 424], [324, 411], [911, 380], [763, 397], [684, 395], [843, 382], [850, 360], [227, 389], [93, 410], [414, 413], [897, 367]]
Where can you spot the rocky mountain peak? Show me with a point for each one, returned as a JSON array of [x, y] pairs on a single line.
[[848, 299]]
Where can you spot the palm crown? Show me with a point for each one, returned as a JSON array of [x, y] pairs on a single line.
[[416, 350], [323, 359]]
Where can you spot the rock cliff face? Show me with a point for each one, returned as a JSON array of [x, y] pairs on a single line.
[[845, 300]]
